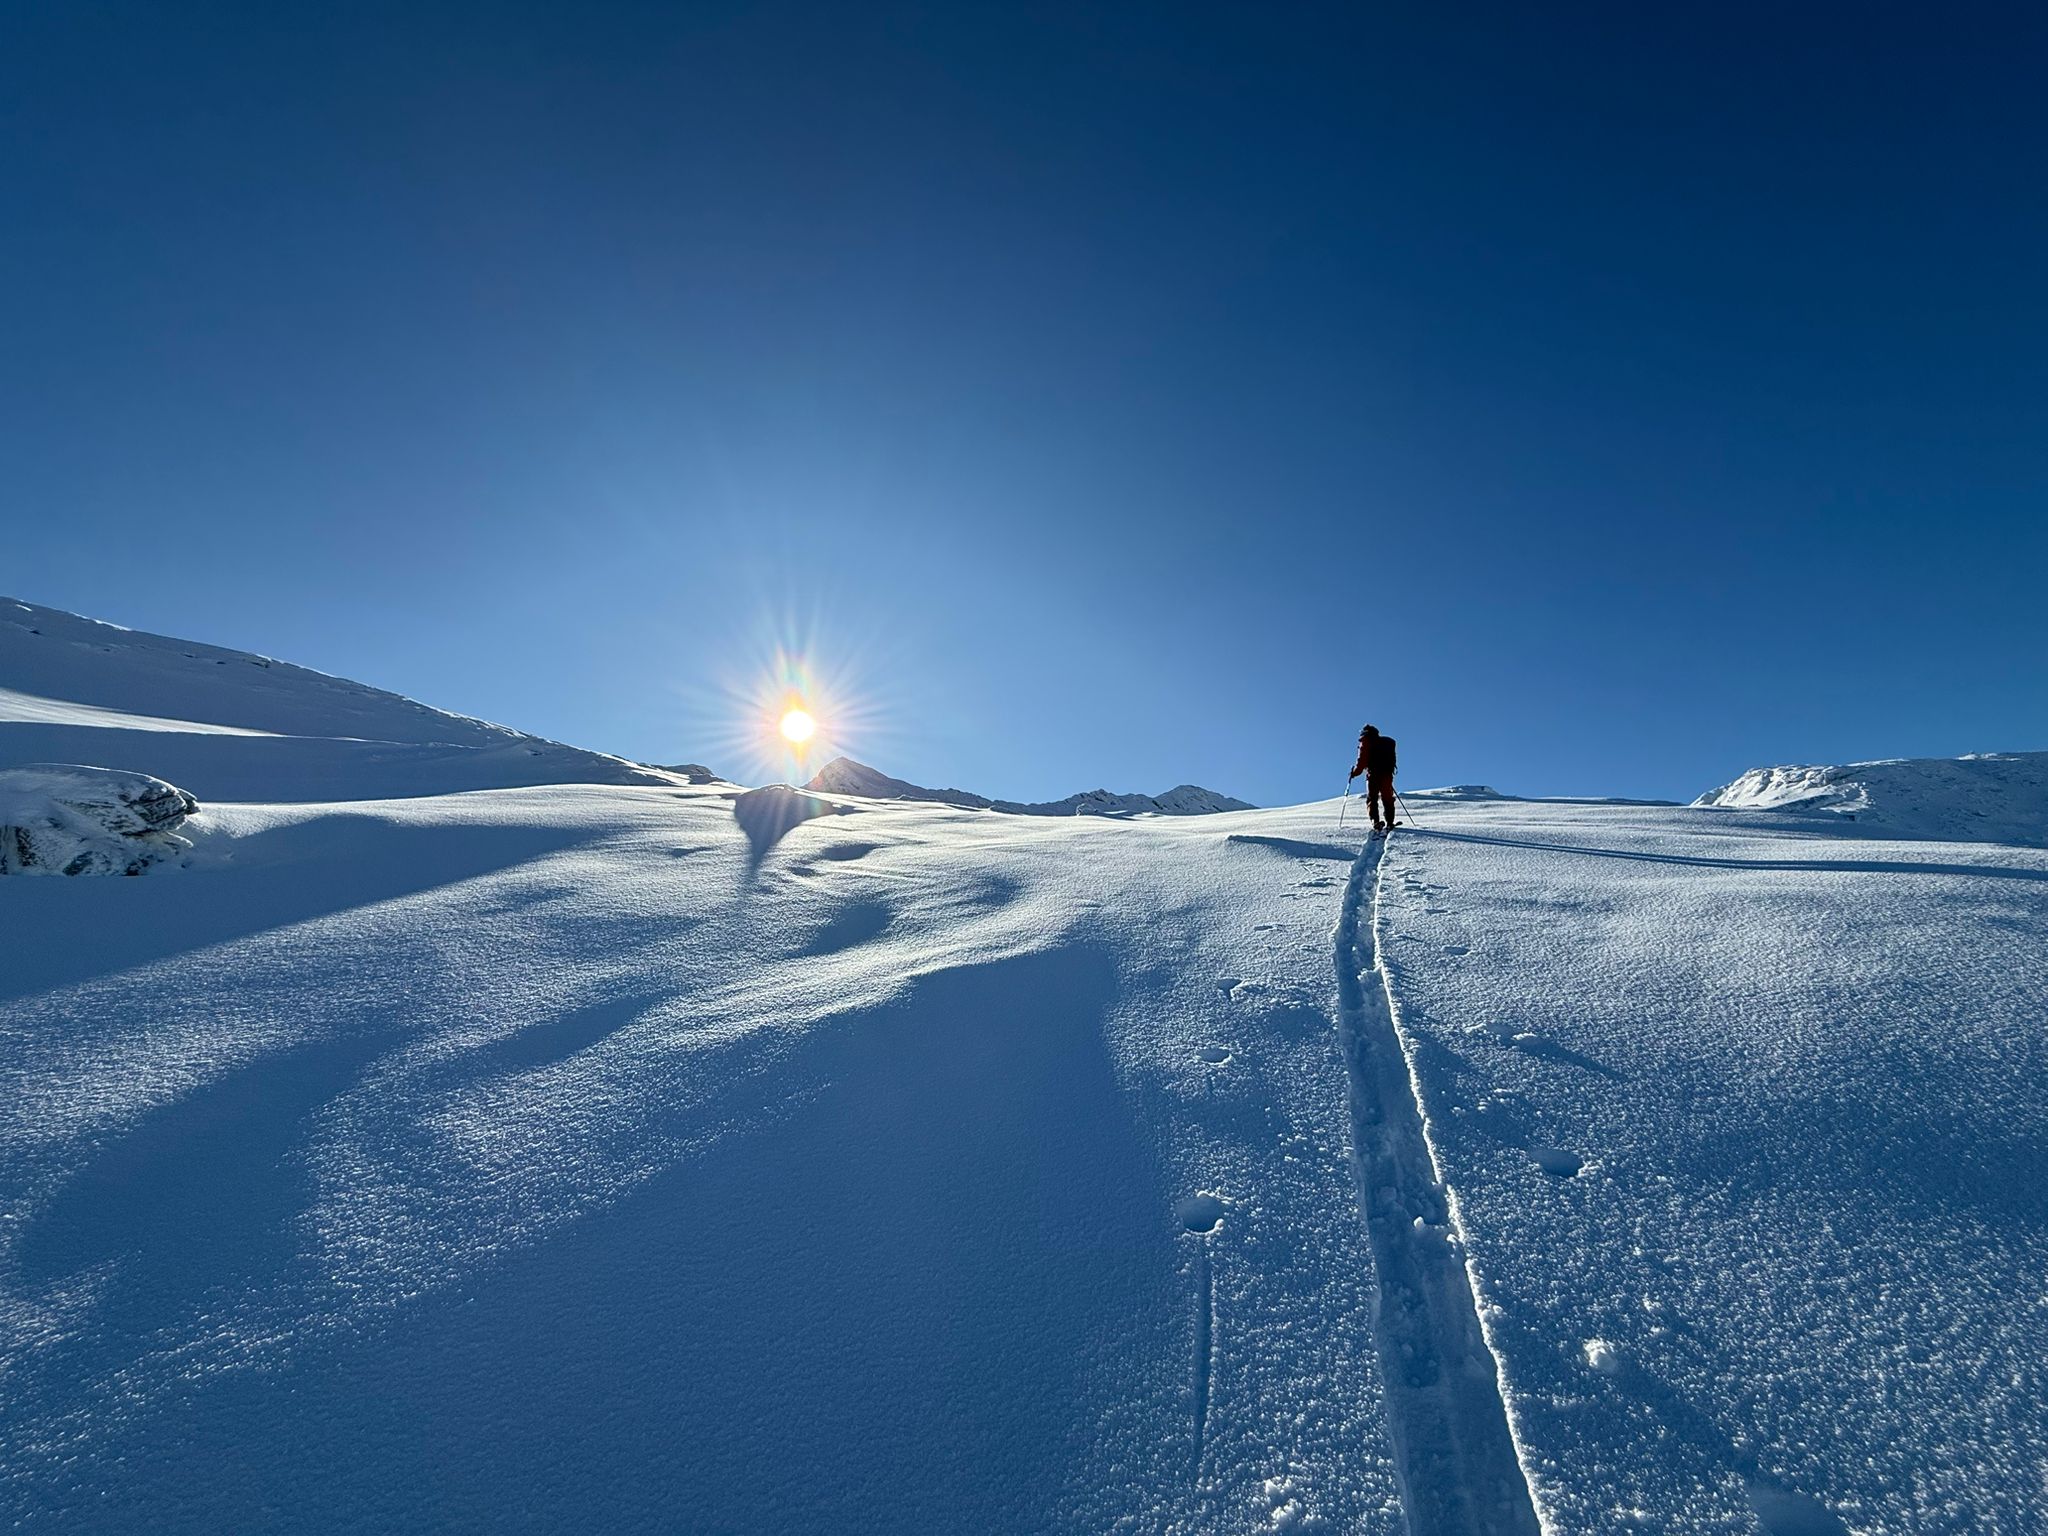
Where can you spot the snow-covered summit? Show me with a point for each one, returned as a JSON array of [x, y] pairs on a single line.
[[1985, 797], [844, 776], [1181, 800], [1193, 800], [233, 725]]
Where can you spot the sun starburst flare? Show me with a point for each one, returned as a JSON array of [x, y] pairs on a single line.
[[793, 710]]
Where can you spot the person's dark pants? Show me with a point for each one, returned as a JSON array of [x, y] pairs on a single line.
[[1379, 790]]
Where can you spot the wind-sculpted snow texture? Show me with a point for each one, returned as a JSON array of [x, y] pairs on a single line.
[[1746, 1126], [581, 1158]]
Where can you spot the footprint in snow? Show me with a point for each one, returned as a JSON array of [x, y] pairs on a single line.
[[1557, 1162], [1201, 1213], [1785, 1513], [846, 853], [1457, 949], [855, 923], [1213, 1055]]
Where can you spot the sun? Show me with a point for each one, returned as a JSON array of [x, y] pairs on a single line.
[[788, 716]]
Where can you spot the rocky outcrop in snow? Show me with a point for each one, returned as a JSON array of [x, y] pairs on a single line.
[[844, 776], [1986, 797], [70, 819]]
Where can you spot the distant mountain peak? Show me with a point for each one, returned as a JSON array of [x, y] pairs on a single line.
[[844, 776]]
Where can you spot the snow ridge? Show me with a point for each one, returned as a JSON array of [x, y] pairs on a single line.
[[1983, 797], [235, 726], [1454, 1451]]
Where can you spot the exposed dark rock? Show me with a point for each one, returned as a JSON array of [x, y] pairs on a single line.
[[71, 819]]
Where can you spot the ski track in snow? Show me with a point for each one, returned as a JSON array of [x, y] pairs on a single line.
[[1205, 1334], [1457, 1461]]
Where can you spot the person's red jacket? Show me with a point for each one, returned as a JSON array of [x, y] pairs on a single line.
[[1375, 757]]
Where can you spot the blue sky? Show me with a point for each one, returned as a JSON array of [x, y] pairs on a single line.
[[1603, 400]]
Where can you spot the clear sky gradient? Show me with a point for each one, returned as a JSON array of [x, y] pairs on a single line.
[[1602, 400]]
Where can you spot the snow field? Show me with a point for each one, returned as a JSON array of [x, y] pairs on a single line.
[[470, 1132], [1746, 1127], [564, 1152]]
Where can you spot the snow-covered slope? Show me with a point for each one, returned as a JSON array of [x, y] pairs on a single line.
[[1996, 796], [844, 776], [1744, 1121], [230, 725], [655, 1157], [689, 773], [588, 1158]]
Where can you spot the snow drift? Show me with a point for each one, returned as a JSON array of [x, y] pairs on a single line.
[[71, 819], [1990, 797]]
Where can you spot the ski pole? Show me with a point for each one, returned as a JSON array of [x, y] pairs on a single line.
[[1347, 804], [1408, 809]]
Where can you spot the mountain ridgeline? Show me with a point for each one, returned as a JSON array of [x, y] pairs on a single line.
[[844, 776]]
